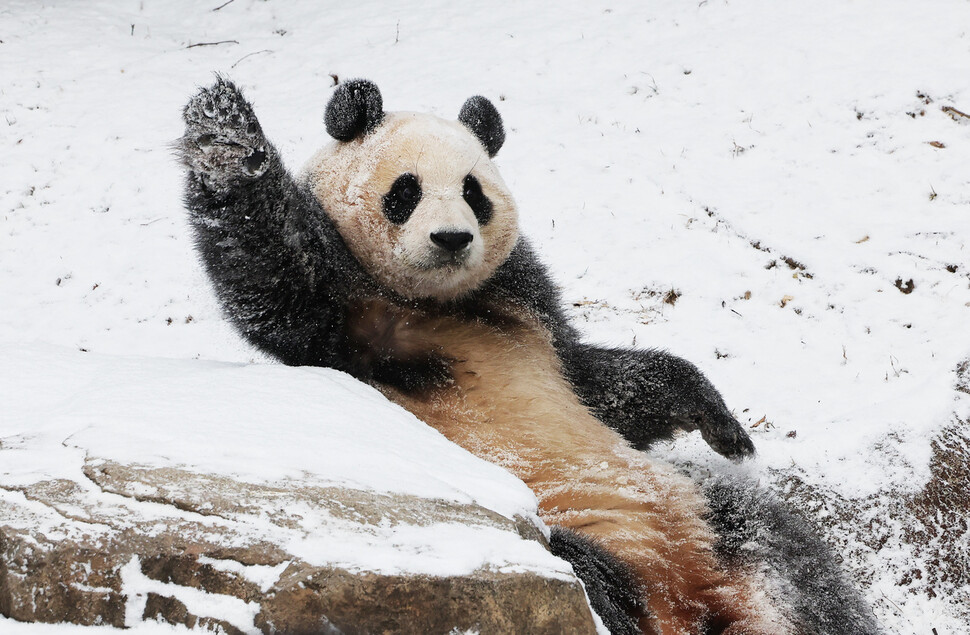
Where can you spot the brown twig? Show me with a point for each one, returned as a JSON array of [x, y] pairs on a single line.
[[224, 4], [212, 43], [250, 55], [953, 112]]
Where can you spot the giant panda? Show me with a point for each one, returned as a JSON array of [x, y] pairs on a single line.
[[395, 256]]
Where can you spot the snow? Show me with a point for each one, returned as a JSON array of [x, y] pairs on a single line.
[[263, 576], [650, 147], [237, 612]]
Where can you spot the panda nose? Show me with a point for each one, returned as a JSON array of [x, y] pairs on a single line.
[[452, 241]]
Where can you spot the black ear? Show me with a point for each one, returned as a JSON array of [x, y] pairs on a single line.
[[355, 108], [480, 116]]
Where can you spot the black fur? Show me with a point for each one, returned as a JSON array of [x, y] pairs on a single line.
[[403, 197], [355, 108], [757, 529], [480, 116], [288, 282], [278, 264], [414, 375], [476, 199], [648, 395], [610, 585]]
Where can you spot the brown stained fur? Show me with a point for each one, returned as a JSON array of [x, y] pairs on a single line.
[[510, 405]]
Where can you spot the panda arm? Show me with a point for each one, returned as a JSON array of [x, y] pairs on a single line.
[[645, 395], [278, 265]]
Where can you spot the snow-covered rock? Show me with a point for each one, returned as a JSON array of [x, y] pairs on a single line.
[[256, 499]]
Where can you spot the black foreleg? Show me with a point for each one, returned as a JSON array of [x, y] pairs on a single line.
[[647, 395], [644, 395], [278, 265]]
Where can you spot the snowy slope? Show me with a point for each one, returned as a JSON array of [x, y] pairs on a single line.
[[690, 146]]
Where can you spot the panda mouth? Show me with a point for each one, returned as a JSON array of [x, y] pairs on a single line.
[[446, 260]]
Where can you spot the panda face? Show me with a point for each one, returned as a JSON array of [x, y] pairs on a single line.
[[419, 203]]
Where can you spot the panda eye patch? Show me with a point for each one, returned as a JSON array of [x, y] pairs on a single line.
[[476, 199], [402, 198]]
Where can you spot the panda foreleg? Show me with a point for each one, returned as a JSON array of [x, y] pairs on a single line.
[[647, 395], [277, 263]]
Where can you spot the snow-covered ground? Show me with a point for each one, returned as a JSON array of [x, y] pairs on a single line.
[[790, 170]]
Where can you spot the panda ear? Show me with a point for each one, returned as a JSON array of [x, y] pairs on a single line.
[[355, 108], [480, 116]]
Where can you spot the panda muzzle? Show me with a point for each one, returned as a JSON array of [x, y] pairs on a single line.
[[452, 241]]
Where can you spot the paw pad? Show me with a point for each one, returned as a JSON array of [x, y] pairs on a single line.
[[255, 161]]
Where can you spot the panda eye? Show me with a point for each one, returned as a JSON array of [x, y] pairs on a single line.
[[403, 197], [476, 199], [408, 194]]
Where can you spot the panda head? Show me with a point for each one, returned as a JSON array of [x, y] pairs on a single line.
[[416, 198]]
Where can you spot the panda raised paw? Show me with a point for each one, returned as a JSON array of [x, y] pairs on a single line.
[[223, 141]]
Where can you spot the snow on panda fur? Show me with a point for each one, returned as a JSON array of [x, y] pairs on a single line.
[[396, 257]]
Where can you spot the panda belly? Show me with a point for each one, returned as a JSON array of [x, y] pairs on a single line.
[[510, 405]]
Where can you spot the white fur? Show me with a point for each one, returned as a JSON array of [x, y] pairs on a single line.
[[351, 178]]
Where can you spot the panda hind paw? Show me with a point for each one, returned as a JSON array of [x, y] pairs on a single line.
[[223, 140]]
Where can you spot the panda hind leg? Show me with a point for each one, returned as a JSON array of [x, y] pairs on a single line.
[[755, 527], [610, 585]]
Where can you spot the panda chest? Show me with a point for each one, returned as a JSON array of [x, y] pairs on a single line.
[[507, 398]]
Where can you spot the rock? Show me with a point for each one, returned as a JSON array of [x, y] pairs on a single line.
[[137, 542], [484, 602], [256, 498]]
